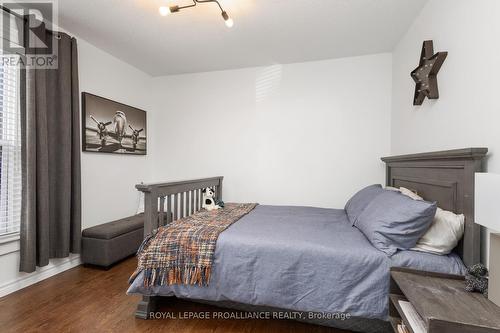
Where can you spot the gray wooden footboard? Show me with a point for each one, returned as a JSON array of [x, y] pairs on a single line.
[[181, 199], [165, 203]]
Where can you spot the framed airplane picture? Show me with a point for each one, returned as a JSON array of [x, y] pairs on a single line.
[[112, 127]]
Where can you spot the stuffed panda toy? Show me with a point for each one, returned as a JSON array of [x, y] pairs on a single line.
[[209, 203]]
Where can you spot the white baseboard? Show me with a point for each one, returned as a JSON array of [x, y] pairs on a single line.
[[41, 274]]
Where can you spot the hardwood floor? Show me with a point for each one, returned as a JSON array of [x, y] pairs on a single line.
[[86, 299]]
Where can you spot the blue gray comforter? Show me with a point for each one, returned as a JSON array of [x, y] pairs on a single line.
[[302, 259]]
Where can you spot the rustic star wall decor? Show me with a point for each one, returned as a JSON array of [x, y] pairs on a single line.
[[425, 75]]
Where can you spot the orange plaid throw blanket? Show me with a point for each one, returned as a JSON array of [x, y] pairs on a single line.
[[182, 252]]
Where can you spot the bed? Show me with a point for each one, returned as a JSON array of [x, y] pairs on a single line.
[[312, 260]]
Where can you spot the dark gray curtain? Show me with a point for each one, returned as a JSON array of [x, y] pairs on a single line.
[[50, 129]]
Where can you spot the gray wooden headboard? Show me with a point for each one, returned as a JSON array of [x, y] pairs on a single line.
[[448, 178]]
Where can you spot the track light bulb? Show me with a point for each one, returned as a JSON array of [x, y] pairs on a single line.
[[229, 21], [164, 11]]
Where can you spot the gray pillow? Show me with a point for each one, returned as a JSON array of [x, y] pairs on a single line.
[[393, 221], [355, 206]]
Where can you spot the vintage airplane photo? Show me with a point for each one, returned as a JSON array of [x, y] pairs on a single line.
[[113, 127]]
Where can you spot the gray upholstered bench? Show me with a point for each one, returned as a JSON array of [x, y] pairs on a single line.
[[106, 244]]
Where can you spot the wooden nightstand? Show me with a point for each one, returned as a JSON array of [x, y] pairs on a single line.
[[441, 302]]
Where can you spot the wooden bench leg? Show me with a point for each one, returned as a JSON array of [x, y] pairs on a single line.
[[145, 306]]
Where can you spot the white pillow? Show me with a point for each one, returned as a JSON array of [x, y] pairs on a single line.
[[390, 188], [410, 193], [444, 233]]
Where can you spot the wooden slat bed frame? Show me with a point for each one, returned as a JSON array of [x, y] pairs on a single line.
[[183, 198], [446, 177]]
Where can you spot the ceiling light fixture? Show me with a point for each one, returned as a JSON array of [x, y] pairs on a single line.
[[164, 11]]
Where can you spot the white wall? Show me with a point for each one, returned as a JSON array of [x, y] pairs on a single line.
[[308, 134], [468, 111], [300, 134], [107, 180]]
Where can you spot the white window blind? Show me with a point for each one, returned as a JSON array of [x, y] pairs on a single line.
[[10, 150]]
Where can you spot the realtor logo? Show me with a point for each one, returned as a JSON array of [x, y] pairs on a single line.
[[27, 38]]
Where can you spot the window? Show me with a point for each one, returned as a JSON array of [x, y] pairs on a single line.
[[10, 151]]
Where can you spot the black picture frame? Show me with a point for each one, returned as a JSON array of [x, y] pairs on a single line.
[[112, 127]]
